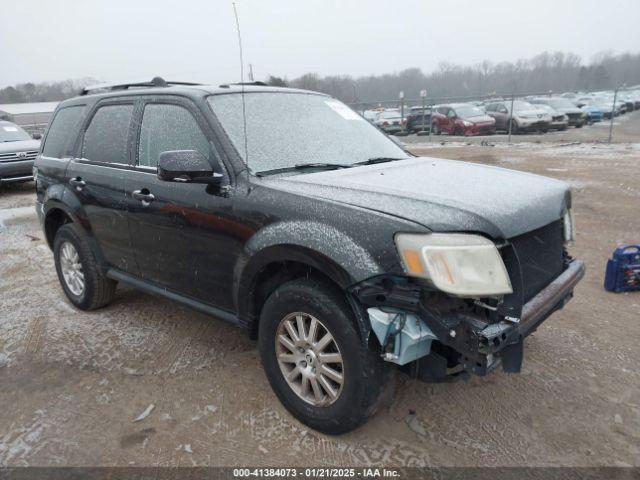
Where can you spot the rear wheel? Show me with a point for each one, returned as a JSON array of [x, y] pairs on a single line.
[[79, 275], [315, 360], [435, 129]]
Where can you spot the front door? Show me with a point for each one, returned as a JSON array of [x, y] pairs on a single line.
[[96, 178], [180, 234]]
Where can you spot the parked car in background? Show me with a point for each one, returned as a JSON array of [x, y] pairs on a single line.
[[526, 117], [575, 116], [603, 104], [594, 113], [462, 119], [559, 121], [371, 115], [390, 121], [418, 119], [628, 101], [18, 150]]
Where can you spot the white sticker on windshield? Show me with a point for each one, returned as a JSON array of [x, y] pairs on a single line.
[[10, 129], [342, 110]]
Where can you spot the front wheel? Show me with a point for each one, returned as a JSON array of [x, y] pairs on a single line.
[[315, 361]]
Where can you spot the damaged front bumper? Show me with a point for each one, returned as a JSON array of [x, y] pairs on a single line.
[[482, 343]]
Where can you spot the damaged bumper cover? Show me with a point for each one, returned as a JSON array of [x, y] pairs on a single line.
[[482, 344]]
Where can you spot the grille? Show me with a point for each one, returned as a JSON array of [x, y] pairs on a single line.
[[541, 255], [574, 116], [16, 156]]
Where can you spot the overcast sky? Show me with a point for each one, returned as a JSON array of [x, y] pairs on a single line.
[[47, 40]]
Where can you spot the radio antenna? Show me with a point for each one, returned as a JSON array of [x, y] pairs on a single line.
[[244, 108]]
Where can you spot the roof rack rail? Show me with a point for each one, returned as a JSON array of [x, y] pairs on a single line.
[[155, 82], [257, 83]]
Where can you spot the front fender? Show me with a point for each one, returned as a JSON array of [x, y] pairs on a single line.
[[325, 248]]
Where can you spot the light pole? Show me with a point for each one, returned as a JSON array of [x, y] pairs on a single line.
[[423, 96]]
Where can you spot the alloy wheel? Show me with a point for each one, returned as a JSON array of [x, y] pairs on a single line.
[[71, 268], [309, 359]]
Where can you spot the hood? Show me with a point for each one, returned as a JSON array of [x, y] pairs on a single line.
[[531, 112], [19, 146], [569, 110], [442, 195], [479, 119]]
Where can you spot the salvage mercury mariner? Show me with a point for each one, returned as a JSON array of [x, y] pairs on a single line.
[[286, 213]]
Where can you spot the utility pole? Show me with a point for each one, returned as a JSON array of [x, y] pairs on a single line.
[[251, 73], [613, 110]]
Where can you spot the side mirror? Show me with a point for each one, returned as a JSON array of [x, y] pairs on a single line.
[[187, 166], [36, 136]]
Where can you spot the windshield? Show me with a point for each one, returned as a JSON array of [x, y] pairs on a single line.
[[390, 115], [468, 111], [12, 133], [561, 103], [520, 105], [286, 129]]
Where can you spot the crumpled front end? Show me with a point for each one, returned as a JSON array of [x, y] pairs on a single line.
[[437, 334]]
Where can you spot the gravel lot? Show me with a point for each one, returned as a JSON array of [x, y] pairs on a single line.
[[72, 382]]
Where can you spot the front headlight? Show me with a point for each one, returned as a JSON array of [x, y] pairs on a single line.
[[460, 264], [466, 123], [568, 226]]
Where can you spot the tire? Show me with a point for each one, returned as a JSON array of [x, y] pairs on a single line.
[[435, 129], [579, 125], [514, 127], [97, 290], [362, 371]]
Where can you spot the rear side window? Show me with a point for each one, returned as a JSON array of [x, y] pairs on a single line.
[[168, 127], [62, 131], [105, 139]]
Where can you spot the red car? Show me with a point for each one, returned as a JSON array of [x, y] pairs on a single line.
[[462, 119]]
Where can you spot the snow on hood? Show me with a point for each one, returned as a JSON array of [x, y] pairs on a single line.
[[442, 195]]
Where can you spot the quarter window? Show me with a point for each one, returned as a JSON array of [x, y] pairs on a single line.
[[62, 130], [168, 127], [105, 139]]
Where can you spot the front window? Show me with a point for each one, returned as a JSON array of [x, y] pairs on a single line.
[[168, 127], [287, 129], [466, 112], [10, 132]]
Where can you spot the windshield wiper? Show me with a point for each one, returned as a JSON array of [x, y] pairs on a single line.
[[305, 166], [374, 160]]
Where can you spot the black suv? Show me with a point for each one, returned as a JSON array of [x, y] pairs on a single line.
[[288, 214]]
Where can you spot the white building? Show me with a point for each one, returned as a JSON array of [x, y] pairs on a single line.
[[33, 117]]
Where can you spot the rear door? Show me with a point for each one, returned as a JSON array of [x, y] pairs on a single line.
[[501, 114], [51, 164], [182, 236], [96, 178]]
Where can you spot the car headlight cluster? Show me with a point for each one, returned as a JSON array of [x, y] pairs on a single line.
[[467, 123], [460, 264]]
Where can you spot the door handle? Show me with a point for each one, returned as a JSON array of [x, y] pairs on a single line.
[[78, 183], [144, 196]]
